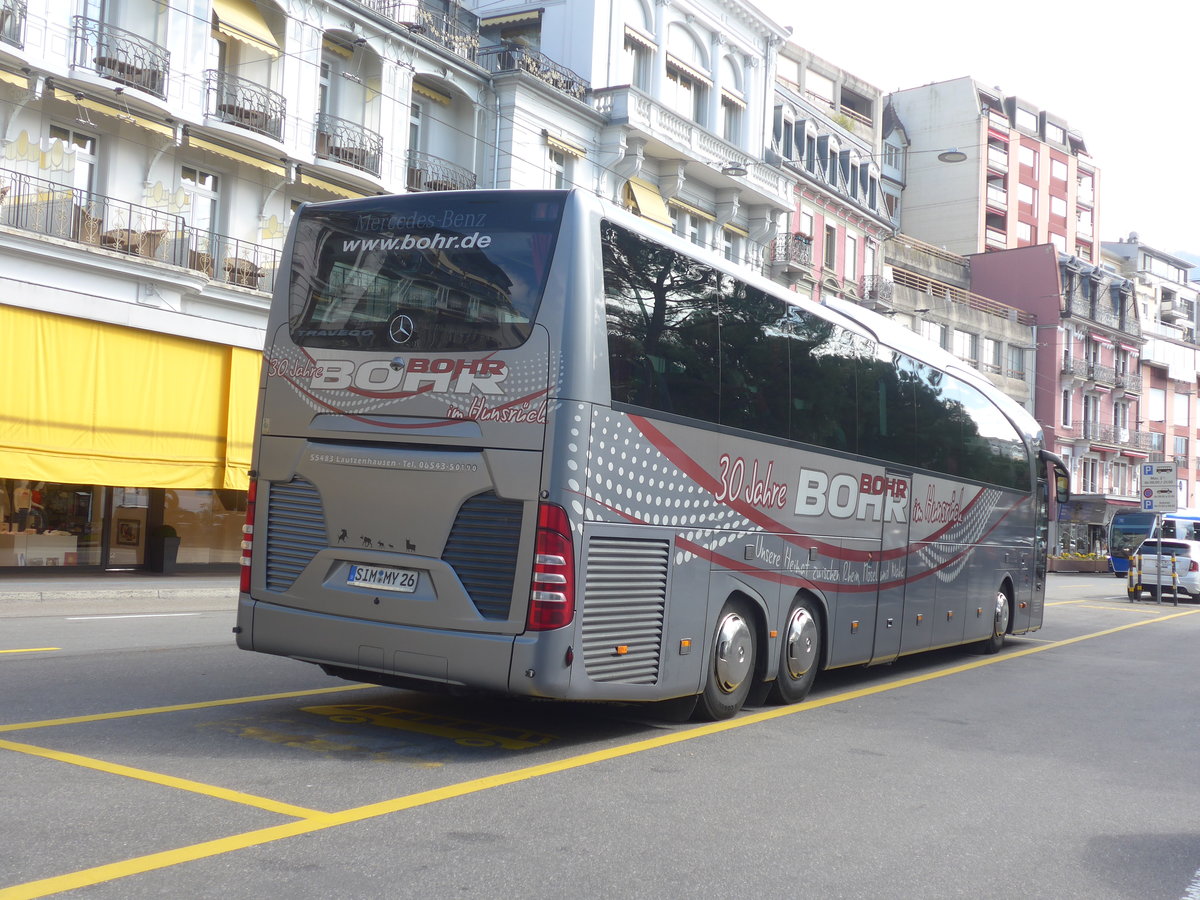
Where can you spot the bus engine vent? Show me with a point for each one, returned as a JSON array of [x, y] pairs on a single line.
[[482, 550], [295, 531], [624, 603]]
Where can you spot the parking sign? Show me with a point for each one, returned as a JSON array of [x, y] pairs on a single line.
[[1160, 487]]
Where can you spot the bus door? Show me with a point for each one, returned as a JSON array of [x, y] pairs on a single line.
[[891, 569]]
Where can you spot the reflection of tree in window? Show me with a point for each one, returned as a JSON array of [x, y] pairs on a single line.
[[754, 360], [663, 333]]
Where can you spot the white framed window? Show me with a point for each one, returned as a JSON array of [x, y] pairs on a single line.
[[201, 189], [560, 169], [1067, 419], [732, 245], [83, 176]]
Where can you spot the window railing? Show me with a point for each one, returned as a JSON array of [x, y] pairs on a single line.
[[44, 207], [121, 56], [238, 101], [12, 22], [790, 250], [348, 143], [876, 287], [510, 57], [431, 173], [458, 33]]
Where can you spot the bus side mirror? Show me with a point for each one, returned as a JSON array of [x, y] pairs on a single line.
[[1062, 488]]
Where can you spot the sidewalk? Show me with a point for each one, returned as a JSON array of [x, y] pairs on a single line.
[[97, 593]]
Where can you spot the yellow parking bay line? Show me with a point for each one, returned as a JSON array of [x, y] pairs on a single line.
[[321, 821], [183, 784], [179, 707], [31, 650]]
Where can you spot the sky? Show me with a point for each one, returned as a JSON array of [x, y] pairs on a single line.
[[1125, 76]]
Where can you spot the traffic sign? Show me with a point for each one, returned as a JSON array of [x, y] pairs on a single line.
[[1160, 487]]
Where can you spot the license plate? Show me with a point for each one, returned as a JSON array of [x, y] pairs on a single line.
[[383, 578]]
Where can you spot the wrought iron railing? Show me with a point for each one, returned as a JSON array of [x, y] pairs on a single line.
[[458, 32], [1072, 365], [876, 287], [12, 22], [1130, 381], [510, 57], [121, 56], [431, 173], [44, 207], [238, 101], [348, 143], [790, 249]]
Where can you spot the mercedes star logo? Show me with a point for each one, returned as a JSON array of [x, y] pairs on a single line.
[[400, 329]]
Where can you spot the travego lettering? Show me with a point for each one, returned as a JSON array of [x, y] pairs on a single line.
[[846, 496]]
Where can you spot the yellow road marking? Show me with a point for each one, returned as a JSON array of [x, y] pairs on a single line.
[[321, 821], [183, 784], [30, 650], [181, 707]]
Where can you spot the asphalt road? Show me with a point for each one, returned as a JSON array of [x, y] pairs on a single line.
[[145, 756]]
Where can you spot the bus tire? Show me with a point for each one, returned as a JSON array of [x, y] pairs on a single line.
[[799, 653], [731, 662], [1001, 617]]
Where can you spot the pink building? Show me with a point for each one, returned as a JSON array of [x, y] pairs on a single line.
[[1087, 382]]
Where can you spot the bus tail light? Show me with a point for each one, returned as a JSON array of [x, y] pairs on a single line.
[[552, 587], [248, 536]]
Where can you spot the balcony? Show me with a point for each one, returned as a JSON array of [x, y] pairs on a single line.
[[878, 288], [12, 23], [997, 199], [1076, 368], [995, 239], [242, 103], [39, 206], [121, 56], [788, 254], [514, 58], [652, 121], [458, 33], [431, 173], [1106, 375], [1129, 381], [348, 143]]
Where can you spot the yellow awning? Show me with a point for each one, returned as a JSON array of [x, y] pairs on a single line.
[[694, 210], [426, 91], [334, 46], [638, 38], [115, 112], [275, 168], [14, 78], [738, 230], [104, 404], [689, 70], [330, 187], [242, 21], [647, 202], [564, 146], [521, 18]]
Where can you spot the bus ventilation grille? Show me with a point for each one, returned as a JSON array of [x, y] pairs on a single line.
[[625, 598], [482, 550], [295, 531]]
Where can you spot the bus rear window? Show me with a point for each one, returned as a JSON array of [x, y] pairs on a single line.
[[420, 273]]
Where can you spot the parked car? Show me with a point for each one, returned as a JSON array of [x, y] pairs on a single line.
[[1183, 556]]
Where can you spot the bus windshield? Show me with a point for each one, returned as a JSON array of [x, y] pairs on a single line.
[[447, 273]]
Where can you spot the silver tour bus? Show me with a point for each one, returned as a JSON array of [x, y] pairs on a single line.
[[526, 442]]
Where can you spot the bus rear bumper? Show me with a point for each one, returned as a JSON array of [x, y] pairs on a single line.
[[482, 661]]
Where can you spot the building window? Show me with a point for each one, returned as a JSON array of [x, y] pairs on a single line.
[[1026, 120], [936, 332], [1058, 207], [1066, 408], [83, 176], [1028, 198], [966, 346], [637, 64], [1090, 475], [560, 170], [850, 264], [1016, 363], [1183, 405], [201, 190], [731, 120], [830, 246], [688, 225], [1058, 169], [1181, 447], [684, 94], [991, 355], [1157, 405], [731, 245]]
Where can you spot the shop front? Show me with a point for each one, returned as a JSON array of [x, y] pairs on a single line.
[[113, 438]]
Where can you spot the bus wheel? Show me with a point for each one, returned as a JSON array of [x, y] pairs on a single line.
[[800, 655], [730, 663], [999, 624]]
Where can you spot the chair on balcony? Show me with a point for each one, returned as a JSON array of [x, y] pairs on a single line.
[[242, 272]]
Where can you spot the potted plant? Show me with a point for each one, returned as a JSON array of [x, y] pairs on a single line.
[[162, 552]]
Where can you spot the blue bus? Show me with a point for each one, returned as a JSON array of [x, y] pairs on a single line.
[[1127, 530]]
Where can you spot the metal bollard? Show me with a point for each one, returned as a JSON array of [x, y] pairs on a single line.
[[1174, 582], [1132, 588]]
